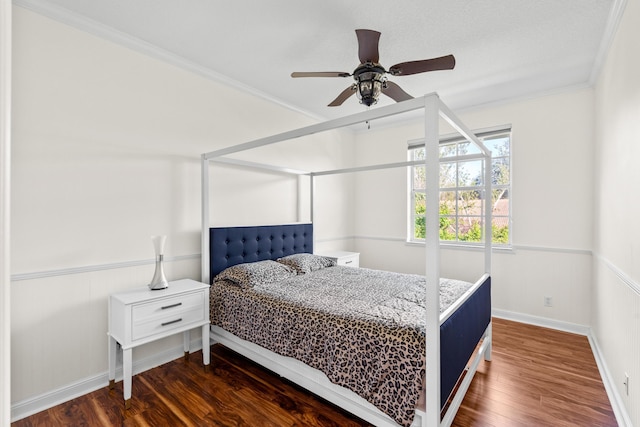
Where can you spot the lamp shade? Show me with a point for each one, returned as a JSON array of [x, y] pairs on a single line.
[[158, 244]]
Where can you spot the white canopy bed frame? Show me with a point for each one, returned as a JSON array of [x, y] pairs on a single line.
[[313, 380]]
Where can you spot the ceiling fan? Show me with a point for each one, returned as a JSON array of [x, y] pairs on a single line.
[[370, 77]]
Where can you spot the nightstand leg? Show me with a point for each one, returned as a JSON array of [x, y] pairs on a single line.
[[126, 375], [186, 338], [206, 352], [113, 348]]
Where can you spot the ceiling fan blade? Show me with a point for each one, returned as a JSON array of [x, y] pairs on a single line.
[[320, 74], [368, 46], [415, 67], [395, 92], [344, 95]]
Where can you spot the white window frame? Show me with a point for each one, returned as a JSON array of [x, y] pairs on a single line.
[[482, 134]]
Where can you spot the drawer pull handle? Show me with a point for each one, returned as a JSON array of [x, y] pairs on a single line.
[[173, 321], [171, 306], [348, 262]]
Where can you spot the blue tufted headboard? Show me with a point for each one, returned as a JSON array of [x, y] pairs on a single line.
[[234, 245]]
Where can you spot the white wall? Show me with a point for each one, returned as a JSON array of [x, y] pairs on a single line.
[[107, 146], [5, 221], [552, 146], [616, 293]]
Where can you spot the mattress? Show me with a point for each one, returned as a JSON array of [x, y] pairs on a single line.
[[363, 328]]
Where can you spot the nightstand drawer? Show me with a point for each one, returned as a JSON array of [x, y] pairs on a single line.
[[161, 324], [349, 261], [166, 307], [344, 258]]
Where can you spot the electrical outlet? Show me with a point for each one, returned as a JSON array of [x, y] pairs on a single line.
[[626, 383], [548, 302]]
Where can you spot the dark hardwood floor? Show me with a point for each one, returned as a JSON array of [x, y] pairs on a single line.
[[537, 377]]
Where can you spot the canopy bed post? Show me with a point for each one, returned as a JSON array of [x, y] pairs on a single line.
[[488, 209], [432, 264], [488, 232], [300, 188], [485, 347], [312, 201], [205, 221]]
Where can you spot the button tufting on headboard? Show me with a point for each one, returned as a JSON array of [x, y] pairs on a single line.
[[234, 245]]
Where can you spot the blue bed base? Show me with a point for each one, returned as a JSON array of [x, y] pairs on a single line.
[[459, 334]]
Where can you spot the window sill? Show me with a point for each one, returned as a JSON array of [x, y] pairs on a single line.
[[476, 248]]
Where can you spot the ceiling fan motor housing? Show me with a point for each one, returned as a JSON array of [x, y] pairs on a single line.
[[370, 80]]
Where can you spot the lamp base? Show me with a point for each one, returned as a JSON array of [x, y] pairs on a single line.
[[159, 280], [158, 286]]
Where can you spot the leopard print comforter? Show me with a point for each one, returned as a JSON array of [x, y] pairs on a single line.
[[363, 328]]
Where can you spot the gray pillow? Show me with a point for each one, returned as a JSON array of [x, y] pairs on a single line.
[[306, 263], [255, 273]]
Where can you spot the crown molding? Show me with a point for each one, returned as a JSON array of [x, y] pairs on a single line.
[[613, 22], [105, 32]]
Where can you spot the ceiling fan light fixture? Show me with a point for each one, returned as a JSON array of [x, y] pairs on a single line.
[[370, 83]]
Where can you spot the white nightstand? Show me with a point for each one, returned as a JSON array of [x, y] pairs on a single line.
[[139, 316], [348, 259]]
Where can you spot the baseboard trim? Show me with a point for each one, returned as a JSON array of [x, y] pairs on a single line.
[[617, 404], [542, 321], [33, 405]]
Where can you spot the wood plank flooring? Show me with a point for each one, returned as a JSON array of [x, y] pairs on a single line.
[[537, 377]]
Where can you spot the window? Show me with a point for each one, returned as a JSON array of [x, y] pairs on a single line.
[[461, 189]]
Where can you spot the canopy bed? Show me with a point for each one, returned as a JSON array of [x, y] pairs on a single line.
[[454, 338]]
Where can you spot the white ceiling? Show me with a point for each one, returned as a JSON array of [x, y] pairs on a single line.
[[504, 49]]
